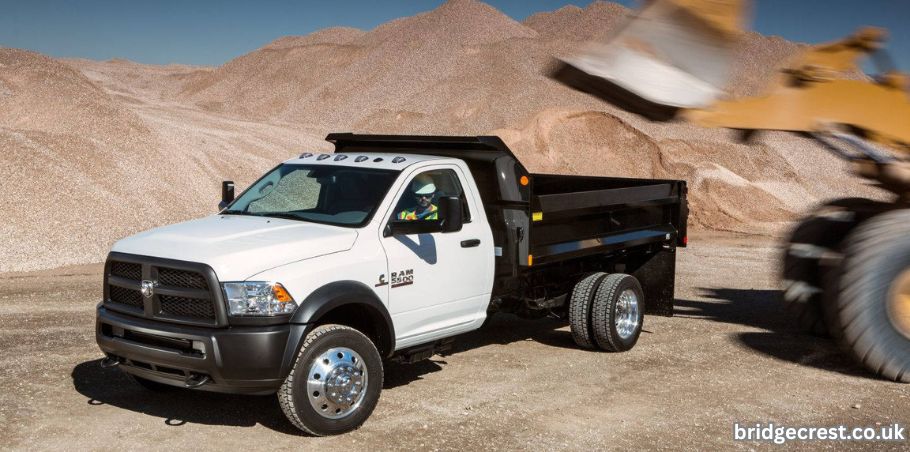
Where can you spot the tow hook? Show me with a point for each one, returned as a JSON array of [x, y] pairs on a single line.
[[109, 362], [196, 380]]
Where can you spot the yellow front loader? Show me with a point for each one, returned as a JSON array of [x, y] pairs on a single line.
[[846, 268]]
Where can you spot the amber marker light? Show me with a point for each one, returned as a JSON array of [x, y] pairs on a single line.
[[281, 294], [524, 181]]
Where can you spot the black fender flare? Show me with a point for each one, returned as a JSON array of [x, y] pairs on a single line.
[[331, 296]]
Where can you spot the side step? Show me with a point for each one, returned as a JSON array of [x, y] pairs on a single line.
[[421, 352]]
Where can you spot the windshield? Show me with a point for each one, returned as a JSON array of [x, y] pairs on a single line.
[[337, 195]]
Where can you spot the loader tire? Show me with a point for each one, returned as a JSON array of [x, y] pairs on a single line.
[[580, 304], [874, 302], [830, 280], [618, 314], [803, 276]]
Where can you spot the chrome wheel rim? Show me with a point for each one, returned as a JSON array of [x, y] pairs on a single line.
[[899, 304], [627, 314], [337, 382]]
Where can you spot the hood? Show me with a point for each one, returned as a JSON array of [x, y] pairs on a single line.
[[236, 246]]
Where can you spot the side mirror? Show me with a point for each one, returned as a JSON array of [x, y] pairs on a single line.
[[227, 194], [451, 213]]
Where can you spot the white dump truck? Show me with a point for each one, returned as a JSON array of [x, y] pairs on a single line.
[[331, 264]]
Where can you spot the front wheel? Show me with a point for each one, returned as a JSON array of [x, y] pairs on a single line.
[[873, 302], [335, 382]]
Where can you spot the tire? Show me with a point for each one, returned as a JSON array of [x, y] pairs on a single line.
[[619, 312], [339, 354], [580, 309], [817, 235], [150, 385], [876, 256], [830, 281]]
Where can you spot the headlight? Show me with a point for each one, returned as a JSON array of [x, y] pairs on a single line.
[[258, 298]]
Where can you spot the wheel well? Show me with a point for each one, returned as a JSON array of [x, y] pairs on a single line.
[[362, 318]]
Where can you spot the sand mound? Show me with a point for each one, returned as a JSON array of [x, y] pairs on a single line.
[[332, 36], [462, 68], [343, 82], [88, 150], [456, 22], [132, 82], [751, 188], [578, 24], [582, 142], [42, 94], [82, 166]]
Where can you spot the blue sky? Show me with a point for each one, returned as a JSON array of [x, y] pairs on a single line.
[[212, 32]]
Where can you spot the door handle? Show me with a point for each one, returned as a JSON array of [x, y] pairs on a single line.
[[470, 243]]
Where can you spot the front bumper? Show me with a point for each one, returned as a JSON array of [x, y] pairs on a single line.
[[238, 359]]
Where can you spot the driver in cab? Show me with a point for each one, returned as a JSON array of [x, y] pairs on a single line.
[[424, 191]]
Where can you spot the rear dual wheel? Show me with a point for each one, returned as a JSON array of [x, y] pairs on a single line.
[[618, 313], [607, 311]]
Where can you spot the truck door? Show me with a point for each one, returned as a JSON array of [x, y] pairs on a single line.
[[439, 283]]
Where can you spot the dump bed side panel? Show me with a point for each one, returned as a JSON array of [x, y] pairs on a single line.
[[576, 216]]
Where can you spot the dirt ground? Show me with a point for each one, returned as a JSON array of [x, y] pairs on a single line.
[[727, 356]]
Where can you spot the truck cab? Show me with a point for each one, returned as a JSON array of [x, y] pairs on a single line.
[[330, 264]]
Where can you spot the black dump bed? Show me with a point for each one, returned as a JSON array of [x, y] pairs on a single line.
[[543, 219], [578, 215]]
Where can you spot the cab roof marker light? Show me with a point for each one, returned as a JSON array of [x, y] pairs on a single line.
[[377, 159], [341, 157], [306, 155], [398, 159], [323, 156], [361, 158]]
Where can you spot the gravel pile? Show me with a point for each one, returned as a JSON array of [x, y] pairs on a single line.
[[82, 166], [93, 151]]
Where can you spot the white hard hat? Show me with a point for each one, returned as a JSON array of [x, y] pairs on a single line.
[[423, 185]]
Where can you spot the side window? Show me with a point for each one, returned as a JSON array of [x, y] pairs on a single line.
[[421, 199]]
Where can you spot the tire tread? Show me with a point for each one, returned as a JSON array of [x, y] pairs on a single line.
[[580, 309], [860, 333], [286, 393], [603, 315]]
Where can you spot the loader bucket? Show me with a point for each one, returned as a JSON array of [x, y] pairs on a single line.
[[669, 55]]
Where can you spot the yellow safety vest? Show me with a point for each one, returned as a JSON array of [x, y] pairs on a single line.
[[411, 214]]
